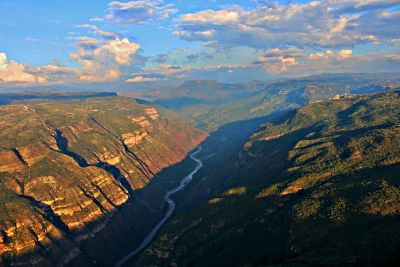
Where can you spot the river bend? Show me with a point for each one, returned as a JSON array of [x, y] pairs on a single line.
[[171, 207]]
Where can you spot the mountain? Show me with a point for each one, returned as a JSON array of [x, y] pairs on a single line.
[[68, 168], [209, 104], [316, 186], [48, 96]]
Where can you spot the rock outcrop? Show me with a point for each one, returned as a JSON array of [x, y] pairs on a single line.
[[67, 167]]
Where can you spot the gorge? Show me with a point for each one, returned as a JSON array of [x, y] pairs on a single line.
[[171, 207]]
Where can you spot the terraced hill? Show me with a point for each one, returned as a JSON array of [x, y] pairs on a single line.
[[317, 186], [67, 167]]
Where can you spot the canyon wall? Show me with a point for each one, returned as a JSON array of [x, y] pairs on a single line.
[[66, 169]]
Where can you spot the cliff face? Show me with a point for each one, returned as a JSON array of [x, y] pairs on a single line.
[[65, 166]]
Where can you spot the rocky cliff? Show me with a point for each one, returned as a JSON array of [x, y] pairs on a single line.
[[66, 168]]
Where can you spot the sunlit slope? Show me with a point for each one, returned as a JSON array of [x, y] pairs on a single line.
[[66, 167], [319, 185]]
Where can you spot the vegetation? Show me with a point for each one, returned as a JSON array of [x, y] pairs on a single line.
[[322, 188], [67, 167]]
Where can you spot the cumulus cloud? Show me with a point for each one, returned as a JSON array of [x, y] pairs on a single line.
[[299, 63], [139, 79], [56, 73], [97, 31], [273, 39], [139, 12], [394, 58], [329, 54], [104, 59], [167, 70], [160, 59], [221, 17], [120, 50], [15, 73], [279, 61], [96, 19], [101, 59], [318, 24]]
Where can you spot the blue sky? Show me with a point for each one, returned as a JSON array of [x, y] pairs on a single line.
[[35, 31], [145, 42]]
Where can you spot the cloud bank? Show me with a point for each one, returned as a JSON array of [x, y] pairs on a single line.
[[139, 12], [318, 24], [269, 40]]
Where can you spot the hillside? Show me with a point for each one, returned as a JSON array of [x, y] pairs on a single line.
[[67, 167], [209, 104], [317, 186]]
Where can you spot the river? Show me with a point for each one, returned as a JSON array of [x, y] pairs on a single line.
[[171, 207]]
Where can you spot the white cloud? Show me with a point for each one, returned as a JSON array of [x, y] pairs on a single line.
[[279, 61], [220, 17], [164, 71], [101, 60], [121, 50], [16, 73], [97, 31], [327, 61], [315, 25], [139, 12], [139, 79], [97, 19], [394, 58], [345, 53], [329, 54]]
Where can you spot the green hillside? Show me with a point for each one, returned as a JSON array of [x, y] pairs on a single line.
[[317, 186]]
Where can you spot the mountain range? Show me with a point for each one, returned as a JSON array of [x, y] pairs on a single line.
[[209, 104]]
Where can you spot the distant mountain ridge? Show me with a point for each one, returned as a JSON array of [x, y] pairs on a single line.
[[49, 95], [209, 104]]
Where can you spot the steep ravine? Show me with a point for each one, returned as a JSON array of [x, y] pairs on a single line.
[[77, 179], [171, 207], [62, 144]]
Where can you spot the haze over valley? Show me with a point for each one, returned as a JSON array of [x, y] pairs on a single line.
[[209, 133]]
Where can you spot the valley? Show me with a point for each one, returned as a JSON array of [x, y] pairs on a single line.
[[171, 207], [164, 133], [64, 177], [307, 188], [98, 179]]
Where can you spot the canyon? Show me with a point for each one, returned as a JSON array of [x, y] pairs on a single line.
[[66, 173], [96, 180]]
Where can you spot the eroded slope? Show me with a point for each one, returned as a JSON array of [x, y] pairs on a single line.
[[66, 168]]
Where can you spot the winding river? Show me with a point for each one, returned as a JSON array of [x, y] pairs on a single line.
[[171, 207]]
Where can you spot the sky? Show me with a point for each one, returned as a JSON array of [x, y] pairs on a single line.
[[143, 43]]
